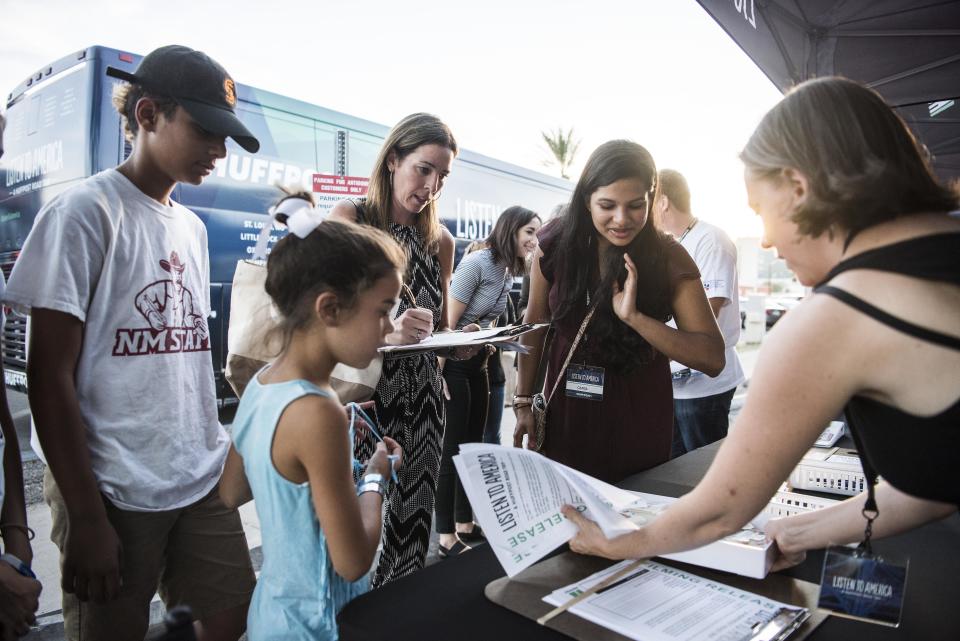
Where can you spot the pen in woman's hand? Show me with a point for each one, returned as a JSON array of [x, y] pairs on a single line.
[[407, 294]]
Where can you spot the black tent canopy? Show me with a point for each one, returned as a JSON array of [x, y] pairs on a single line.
[[907, 50]]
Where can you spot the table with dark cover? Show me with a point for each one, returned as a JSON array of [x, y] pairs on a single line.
[[446, 601]]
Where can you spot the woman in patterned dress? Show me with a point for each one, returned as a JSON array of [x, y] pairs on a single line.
[[407, 177]]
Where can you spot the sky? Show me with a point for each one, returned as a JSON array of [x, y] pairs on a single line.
[[659, 72]]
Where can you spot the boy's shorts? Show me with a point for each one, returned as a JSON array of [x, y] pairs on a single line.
[[196, 555]]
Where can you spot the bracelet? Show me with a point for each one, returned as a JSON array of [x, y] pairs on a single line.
[[372, 486], [22, 568], [521, 404], [16, 526], [372, 483]]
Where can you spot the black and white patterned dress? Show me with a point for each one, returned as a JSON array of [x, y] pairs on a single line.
[[409, 405]]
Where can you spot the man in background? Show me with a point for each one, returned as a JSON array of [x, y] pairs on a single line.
[[701, 405]]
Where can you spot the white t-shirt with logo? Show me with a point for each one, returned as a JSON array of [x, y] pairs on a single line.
[[137, 274], [716, 258]]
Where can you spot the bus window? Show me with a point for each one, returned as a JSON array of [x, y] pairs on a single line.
[[326, 148], [46, 149], [45, 141], [470, 208], [362, 153], [245, 182]]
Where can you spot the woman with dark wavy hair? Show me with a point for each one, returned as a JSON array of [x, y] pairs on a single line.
[[604, 255]]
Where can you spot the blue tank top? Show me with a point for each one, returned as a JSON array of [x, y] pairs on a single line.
[[299, 593]]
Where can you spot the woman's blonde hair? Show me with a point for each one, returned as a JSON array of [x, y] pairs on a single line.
[[863, 163], [406, 136]]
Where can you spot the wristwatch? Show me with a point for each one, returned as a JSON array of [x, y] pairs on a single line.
[[372, 483]]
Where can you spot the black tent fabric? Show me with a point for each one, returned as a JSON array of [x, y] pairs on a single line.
[[907, 50]]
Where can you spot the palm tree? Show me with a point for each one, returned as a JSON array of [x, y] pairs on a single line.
[[563, 147]]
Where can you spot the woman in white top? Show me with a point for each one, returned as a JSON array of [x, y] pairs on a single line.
[[478, 295]]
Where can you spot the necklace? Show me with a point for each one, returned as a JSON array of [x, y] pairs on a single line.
[[687, 230]]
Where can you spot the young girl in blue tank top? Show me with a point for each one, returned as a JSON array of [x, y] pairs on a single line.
[[292, 444]]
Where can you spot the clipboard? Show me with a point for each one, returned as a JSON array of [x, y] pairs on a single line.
[[524, 593], [500, 336]]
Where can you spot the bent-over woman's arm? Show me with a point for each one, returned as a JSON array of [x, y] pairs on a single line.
[[843, 523], [806, 372]]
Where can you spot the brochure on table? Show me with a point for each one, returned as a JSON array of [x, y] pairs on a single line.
[[516, 495], [660, 603]]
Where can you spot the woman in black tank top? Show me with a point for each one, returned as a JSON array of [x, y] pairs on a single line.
[[849, 201]]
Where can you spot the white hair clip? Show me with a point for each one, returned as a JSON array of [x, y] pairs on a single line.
[[304, 220], [301, 219]]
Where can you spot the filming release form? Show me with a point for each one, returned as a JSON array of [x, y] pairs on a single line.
[[661, 603]]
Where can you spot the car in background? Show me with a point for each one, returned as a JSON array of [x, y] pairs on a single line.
[[774, 312], [776, 308]]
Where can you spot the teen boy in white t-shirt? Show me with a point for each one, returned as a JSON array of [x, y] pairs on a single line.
[[115, 276], [701, 404]]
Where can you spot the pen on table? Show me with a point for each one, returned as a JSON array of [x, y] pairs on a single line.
[[629, 577], [610, 580]]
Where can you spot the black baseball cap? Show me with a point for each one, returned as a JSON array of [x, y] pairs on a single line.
[[198, 84]]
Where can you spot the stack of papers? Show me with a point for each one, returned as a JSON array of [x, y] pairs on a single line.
[[502, 337], [660, 603], [516, 495]]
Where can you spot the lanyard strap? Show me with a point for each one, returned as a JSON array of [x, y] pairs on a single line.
[[573, 348], [687, 230], [870, 510]]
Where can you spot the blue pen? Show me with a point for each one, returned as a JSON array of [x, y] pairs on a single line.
[[393, 458], [393, 467]]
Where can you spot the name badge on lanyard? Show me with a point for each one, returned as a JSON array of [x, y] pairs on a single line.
[[862, 586], [585, 382], [856, 583]]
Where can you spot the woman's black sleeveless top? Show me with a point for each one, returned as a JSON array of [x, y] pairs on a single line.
[[919, 455]]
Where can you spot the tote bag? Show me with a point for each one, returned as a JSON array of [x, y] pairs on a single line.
[[252, 343]]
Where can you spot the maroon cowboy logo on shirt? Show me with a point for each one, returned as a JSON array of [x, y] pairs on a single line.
[[174, 323]]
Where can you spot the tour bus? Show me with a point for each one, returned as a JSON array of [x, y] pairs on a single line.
[[62, 128]]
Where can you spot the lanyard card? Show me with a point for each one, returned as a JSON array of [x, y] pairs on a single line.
[[862, 586], [585, 382]]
